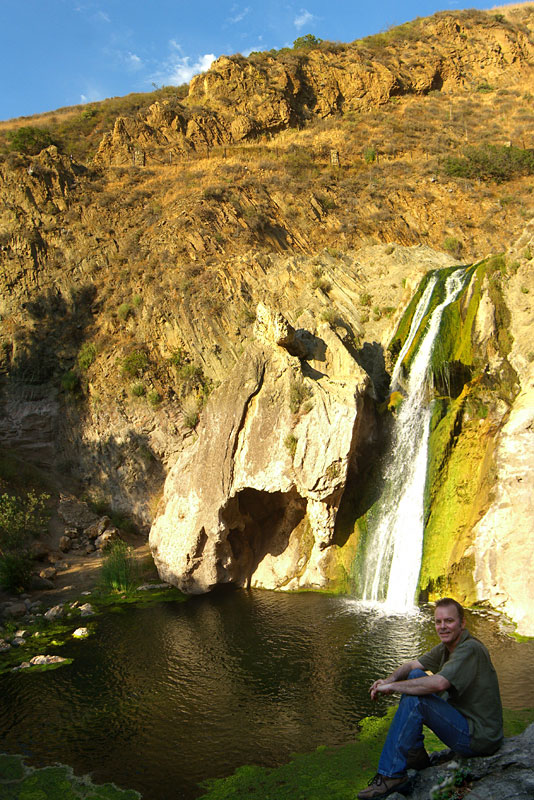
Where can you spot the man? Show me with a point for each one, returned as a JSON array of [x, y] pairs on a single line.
[[468, 719]]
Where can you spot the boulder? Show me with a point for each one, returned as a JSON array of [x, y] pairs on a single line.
[[509, 773], [105, 538], [254, 500], [75, 513], [97, 528], [14, 610], [37, 583]]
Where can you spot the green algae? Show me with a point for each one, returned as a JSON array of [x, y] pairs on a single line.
[[48, 636], [18, 781], [330, 773]]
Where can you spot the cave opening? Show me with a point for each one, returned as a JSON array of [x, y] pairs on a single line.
[[260, 524]]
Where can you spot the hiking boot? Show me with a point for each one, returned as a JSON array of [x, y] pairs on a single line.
[[417, 758], [380, 786]]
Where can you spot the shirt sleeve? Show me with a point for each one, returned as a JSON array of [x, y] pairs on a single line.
[[431, 661]]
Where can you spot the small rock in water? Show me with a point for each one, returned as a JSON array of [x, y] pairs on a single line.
[[86, 610], [86, 594], [18, 641], [4, 646], [146, 586], [38, 660], [80, 633]]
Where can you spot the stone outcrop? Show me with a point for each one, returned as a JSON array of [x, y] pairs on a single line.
[[238, 99], [254, 500], [507, 774]]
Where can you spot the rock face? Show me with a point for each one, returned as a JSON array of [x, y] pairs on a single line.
[[253, 502], [507, 774]]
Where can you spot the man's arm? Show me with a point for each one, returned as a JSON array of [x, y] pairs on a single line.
[[396, 682]]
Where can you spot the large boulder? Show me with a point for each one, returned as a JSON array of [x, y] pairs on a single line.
[[254, 500]]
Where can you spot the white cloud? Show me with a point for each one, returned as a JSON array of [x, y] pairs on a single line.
[[102, 16], [133, 61], [91, 96], [304, 18], [240, 16], [180, 69]]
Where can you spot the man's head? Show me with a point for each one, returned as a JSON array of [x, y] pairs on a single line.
[[449, 621]]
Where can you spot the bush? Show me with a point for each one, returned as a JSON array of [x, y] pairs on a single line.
[[134, 364], [120, 571], [490, 162], [86, 355], [21, 518], [138, 389], [29, 140], [70, 381]]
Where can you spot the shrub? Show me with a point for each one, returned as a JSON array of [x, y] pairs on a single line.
[[154, 398], [134, 364], [86, 355], [298, 393], [124, 311], [138, 389], [120, 572], [21, 518], [369, 155], [290, 443], [70, 381], [452, 245], [490, 162], [29, 140]]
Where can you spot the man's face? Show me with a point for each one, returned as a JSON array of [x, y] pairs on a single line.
[[448, 625]]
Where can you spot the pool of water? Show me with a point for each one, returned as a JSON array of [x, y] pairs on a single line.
[[161, 698]]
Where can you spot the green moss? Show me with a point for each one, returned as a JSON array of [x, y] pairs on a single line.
[[329, 773], [21, 782]]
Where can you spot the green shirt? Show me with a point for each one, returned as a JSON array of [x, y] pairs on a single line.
[[474, 689]]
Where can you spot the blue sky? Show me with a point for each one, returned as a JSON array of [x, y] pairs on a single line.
[[64, 52]]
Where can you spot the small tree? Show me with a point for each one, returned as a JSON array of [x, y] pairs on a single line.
[[306, 42], [29, 140]]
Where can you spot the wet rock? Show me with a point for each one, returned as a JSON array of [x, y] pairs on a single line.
[[4, 646], [86, 610], [18, 641], [80, 633], [54, 613]]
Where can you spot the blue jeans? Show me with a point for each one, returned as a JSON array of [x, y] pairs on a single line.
[[406, 730]]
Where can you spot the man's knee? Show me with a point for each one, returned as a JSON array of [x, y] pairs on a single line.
[[417, 673]]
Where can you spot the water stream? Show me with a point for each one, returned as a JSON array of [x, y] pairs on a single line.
[[395, 540]]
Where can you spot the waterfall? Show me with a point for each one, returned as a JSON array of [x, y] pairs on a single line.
[[395, 535]]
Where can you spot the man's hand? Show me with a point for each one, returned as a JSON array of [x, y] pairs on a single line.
[[376, 688]]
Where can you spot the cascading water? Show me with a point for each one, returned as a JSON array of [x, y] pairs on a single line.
[[395, 537]]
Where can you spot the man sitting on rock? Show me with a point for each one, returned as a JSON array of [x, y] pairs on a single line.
[[467, 718]]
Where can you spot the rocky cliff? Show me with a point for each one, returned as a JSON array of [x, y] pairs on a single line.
[[198, 326]]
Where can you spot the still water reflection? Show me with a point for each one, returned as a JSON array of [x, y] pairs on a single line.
[[161, 698]]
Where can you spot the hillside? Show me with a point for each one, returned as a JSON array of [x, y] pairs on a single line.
[[136, 248]]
